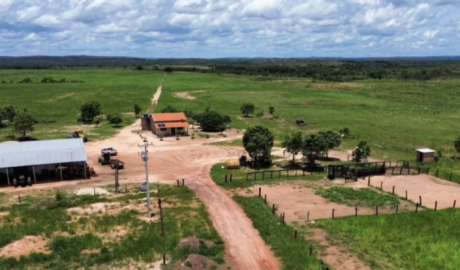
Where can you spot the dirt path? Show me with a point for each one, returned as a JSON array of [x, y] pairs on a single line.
[[173, 159], [335, 256]]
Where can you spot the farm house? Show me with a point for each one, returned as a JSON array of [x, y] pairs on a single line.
[[425, 155], [24, 163], [166, 124]]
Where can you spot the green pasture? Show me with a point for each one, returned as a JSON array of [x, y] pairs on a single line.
[[46, 216], [422, 240], [116, 90], [395, 117]]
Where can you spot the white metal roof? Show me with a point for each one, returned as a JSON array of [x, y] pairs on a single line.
[[41, 152], [425, 150]]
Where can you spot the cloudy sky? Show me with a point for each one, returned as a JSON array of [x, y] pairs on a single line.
[[230, 28]]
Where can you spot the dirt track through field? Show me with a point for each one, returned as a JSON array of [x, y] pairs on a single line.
[[187, 159]]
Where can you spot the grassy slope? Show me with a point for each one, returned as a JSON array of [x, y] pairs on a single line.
[[358, 197], [185, 217], [423, 240], [116, 90]]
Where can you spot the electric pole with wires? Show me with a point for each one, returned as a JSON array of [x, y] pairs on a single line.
[[145, 158]]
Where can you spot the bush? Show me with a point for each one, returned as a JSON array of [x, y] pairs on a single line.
[[212, 121]]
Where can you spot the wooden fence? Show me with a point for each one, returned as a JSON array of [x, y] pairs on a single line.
[[265, 175]]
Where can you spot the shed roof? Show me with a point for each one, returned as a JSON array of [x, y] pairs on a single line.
[[426, 150], [41, 153], [169, 117]]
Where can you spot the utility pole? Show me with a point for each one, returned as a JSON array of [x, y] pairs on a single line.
[[145, 159]]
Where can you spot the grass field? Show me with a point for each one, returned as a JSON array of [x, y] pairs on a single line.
[[423, 240], [394, 116], [69, 234], [294, 253], [239, 177], [116, 90], [358, 197]]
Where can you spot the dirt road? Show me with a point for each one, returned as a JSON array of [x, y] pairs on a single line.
[[191, 160]]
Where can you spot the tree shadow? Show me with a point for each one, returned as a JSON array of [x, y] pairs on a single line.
[[328, 159], [27, 139]]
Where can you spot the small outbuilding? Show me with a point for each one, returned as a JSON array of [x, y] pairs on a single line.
[[166, 124], [233, 164], [425, 155], [42, 160]]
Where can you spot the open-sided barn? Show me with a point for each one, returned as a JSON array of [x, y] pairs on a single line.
[[42, 160]]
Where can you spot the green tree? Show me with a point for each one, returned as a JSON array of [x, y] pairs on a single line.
[[137, 109], [363, 150], [212, 121], [457, 145], [293, 144], [9, 112], [247, 108], [23, 124], [345, 132], [258, 142], [116, 119], [169, 109], [89, 110], [313, 146], [332, 140], [271, 110], [168, 70]]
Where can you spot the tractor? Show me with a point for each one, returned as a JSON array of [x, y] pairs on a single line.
[[106, 159], [79, 134]]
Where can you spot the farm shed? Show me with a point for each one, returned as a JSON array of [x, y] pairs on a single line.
[[42, 160], [425, 155], [169, 124]]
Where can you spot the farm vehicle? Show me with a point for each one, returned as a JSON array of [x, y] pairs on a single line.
[[106, 159]]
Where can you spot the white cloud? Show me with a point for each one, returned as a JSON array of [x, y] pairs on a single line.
[[219, 28]]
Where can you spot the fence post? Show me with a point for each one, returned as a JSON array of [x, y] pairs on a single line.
[[397, 208], [406, 194], [333, 213], [19, 198], [416, 207], [393, 171], [381, 185], [311, 250], [435, 205], [273, 209], [225, 180], [265, 198], [231, 177], [437, 171], [369, 181], [183, 182], [308, 216], [400, 172], [393, 190], [455, 202], [260, 192], [356, 211], [376, 209], [408, 171], [420, 198], [295, 234]]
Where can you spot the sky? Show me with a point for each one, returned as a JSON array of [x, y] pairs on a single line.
[[230, 28]]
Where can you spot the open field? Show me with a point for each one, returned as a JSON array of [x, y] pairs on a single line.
[[105, 231], [116, 90], [423, 240]]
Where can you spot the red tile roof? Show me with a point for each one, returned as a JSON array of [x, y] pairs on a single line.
[[169, 117]]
